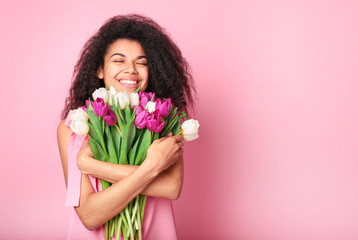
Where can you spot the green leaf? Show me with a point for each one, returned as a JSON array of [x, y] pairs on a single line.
[[96, 123], [105, 184], [155, 136], [144, 145], [119, 120], [169, 128], [176, 128], [93, 119], [97, 150], [133, 114], [183, 114], [133, 151], [116, 136], [112, 155], [92, 131], [172, 113], [128, 134], [94, 149], [131, 133], [103, 124], [120, 113], [128, 114]]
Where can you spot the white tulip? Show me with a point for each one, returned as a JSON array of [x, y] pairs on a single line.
[[112, 96], [123, 99], [112, 91], [150, 106], [134, 99], [79, 114], [79, 127], [101, 93], [190, 129]]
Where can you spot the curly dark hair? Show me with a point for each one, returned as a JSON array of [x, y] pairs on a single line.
[[169, 72]]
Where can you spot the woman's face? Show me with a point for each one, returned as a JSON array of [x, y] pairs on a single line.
[[125, 66]]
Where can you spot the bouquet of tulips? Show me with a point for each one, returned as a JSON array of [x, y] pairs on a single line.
[[121, 126]]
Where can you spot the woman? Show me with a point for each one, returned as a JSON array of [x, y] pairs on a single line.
[[127, 52]]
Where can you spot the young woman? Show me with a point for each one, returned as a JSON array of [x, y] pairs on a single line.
[[127, 52]]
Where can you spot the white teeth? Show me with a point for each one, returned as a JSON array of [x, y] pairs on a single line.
[[129, 82]]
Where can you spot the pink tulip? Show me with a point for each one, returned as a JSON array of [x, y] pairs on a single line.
[[154, 122], [141, 119], [139, 108], [163, 107], [99, 108], [144, 98], [110, 118]]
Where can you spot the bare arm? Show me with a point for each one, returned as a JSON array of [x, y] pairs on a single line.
[[96, 208], [167, 184]]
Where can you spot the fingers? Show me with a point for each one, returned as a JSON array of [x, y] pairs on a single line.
[[180, 144], [178, 137]]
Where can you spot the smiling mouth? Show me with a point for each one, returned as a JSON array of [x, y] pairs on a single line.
[[130, 82]]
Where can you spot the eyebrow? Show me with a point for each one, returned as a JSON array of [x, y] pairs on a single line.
[[122, 55]]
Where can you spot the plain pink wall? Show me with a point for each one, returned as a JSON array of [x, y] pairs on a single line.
[[278, 107]]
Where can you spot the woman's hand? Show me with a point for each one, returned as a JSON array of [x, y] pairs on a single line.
[[164, 152]]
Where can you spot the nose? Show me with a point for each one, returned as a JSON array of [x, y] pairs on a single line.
[[131, 68]]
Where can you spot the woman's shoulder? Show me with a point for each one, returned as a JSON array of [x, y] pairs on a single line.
[[63, 131]]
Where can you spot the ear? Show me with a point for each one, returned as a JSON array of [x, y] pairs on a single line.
[[100, 72]]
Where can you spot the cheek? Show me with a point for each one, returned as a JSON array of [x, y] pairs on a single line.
[[145, 74]]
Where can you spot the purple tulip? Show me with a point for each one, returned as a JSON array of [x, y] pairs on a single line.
[[141, 119], [99, 108], [139, 109], [144, 98], [154, 122], [151, 96], [110, 118], [163, 107]]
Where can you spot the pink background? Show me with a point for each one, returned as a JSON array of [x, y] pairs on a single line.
[[278, 107]]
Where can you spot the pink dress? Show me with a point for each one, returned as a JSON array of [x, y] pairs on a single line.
[[158, 222]]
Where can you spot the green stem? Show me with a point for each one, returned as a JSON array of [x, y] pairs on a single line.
[[125, 227], [144, 198], [139, 221], [130, 224], [106, 231], [119, 227], [135, 208]]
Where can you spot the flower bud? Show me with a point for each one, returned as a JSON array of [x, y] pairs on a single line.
[[150, 107], [79, 127], [164, 107], [99, 107], [101, 93], [79, 114], [154, 122], [134, 99], [111, 94], [123, 99], [144, 98], [141, 119], [190, 130], [110, 118]]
